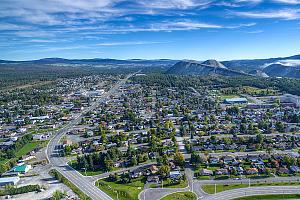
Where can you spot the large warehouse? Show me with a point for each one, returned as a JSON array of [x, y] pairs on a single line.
[[235, 100]]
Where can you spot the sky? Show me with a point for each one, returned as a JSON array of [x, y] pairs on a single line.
[[149, 29]]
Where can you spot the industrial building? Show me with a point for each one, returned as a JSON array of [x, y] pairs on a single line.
[[235, 101]]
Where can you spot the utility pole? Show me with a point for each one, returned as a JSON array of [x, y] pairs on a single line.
[[249, 182], [117, 194], [215, 188]]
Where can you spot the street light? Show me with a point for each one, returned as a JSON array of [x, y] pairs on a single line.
[[215, 188], [116, 191], [249, 182]]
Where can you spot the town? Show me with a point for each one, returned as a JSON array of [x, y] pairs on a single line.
[[145, 136]]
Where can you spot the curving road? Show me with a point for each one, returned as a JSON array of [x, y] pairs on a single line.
[[83, 183], [231, 194]]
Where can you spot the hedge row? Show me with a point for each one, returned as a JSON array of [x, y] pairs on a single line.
[[19, 190], [68, 183]]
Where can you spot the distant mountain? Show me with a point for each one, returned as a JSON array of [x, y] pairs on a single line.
[[280, 70], [95, 61], [281, 66], [209, 67], [254, 64]]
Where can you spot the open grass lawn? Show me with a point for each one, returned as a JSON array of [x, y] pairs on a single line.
[[27, 148], [203, 177], [72, 163], [210, 189], [223, 97], [180, 196], [127, 191], [168, 184], [271, 197]]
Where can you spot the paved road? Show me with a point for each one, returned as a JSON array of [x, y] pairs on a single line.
[[83, 183], [231, 194]]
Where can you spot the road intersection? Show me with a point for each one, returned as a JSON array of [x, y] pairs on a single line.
[[87, 183], [83, 183]]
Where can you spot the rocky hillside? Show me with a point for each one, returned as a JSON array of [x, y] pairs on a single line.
[[209, 67]]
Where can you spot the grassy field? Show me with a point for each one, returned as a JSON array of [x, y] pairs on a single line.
[[180, 196], [128, 191], [271, 197], [169, 184], [210, 189], [26, 149], [222, 97], [89, 172]]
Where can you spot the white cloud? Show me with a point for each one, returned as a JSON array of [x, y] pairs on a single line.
[[129, 43], [12, 27], [177, 4], [288, 1], [286, 14]]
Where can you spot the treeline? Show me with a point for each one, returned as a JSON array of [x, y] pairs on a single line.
[[20, 190], [11, 153], [105, 161], [289, 85], [68, 183]]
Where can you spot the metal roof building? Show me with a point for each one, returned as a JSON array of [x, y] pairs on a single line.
[[9, 181], [236, 100]]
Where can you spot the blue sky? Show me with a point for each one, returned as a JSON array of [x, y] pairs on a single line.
[[150, 29]]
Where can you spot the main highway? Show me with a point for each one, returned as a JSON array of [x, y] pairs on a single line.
[[83, 183]]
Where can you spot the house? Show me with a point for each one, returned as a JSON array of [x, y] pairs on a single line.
[[118, 164], [175, 175], [221, 172], [283, 170], [213, 160], [206, 172], [295, 169], [135, 174], [153, 169], [23, 169], [152, 179], [251, 171], [228, 159], [172, 165], [67, 142]]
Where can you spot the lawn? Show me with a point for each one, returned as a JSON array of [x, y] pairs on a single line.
[[210, 189], [27, 148], [89, 172], [270, 197], [203, 177], [168, 184], [180, 196], [127, 191]]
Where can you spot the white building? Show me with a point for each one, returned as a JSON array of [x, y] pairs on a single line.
[[9, 181], [289, 98]]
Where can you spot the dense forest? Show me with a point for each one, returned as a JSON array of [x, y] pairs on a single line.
[[289, 85]]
